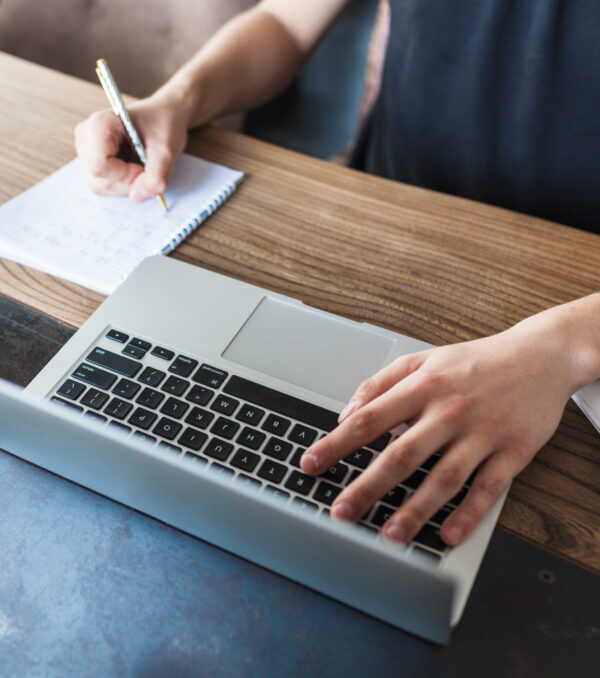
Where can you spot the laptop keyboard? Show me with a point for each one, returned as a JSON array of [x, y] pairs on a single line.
[[242, 429]]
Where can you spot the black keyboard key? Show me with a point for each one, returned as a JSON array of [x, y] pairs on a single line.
[[218, 449], [150, 398], [115, 335], [295, 460], [199, 418], [126, 388], [119, 426], [210, 376], [142, 418], [94, 399], [353, 476], [167, 428], [151, 377], [276, 492], [174, 408], [140, 343], [170, 448], [359, 458], [457, 498], [114, 362], [415, 479], [276, 424], [430, 462], [395, 496], [277, 448], [95, 415], [183, 366], [245, 460], [192, 438], [71, 389], [199, 395], [224, 405], [226, 428], [281, 403], [441, 515], [380, 443], [250, 437], [250, 415], [430, 536], [134, 352], [248, 480], [94, 376], [326, 493], [223, 470], [146, 437], [299, 482], [163, 353], [336, 473], [381, 515], [272, 471], [118, 408], [66, 404], [175, 386], [302, 435], [305, 504]]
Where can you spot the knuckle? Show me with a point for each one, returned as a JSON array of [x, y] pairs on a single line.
[[364, 424], [402, 457], [450, 475], [491, 488], [366, 388]]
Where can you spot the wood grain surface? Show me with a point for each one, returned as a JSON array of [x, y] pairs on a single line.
[[436, 267]]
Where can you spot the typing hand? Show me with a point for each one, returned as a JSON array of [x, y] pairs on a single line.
[[100, 141], [488, 404]]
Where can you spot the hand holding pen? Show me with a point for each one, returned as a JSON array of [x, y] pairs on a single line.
[[99, 141]]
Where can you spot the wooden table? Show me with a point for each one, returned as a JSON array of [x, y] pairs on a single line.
[[440, 268]]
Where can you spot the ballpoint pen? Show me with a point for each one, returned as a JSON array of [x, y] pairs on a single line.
[[116, 102]]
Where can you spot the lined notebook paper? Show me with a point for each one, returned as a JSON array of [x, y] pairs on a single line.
[[60, 227]]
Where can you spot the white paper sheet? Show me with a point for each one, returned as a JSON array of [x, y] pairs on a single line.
[[60, 227]]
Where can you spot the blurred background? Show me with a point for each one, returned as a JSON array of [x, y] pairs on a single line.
[[145, 41]]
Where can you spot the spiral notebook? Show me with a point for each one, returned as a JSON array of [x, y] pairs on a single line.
[[60, 227]]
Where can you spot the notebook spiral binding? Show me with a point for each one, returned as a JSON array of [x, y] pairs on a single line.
[[195, 220]]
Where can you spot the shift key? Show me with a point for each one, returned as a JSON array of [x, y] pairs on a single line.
[[95, 376], [115, 362]]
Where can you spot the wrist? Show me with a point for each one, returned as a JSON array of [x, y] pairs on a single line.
[[183, 93], [571, 332]]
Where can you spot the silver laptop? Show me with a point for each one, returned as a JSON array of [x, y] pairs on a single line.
[[190, 396]]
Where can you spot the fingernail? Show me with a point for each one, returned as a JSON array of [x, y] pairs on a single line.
[[347, 411], [309, 463], [454, 534], [395, 533], [139, 195], [343, 511]]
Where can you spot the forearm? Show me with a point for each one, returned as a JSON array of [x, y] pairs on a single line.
[[248, 61]]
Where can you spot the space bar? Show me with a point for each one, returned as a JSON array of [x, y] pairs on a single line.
[[281, 403]]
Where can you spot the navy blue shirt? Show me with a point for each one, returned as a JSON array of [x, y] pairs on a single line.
[[495, 100]]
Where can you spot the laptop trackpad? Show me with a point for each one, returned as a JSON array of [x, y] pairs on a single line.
[[325, 354]]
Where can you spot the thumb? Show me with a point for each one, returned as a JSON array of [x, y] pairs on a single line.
[[155, 177]]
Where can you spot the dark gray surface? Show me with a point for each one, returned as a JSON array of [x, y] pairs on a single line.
[[90, 587], [318, 113]]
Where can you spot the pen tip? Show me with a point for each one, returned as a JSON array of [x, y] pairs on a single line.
[[162, 201]]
